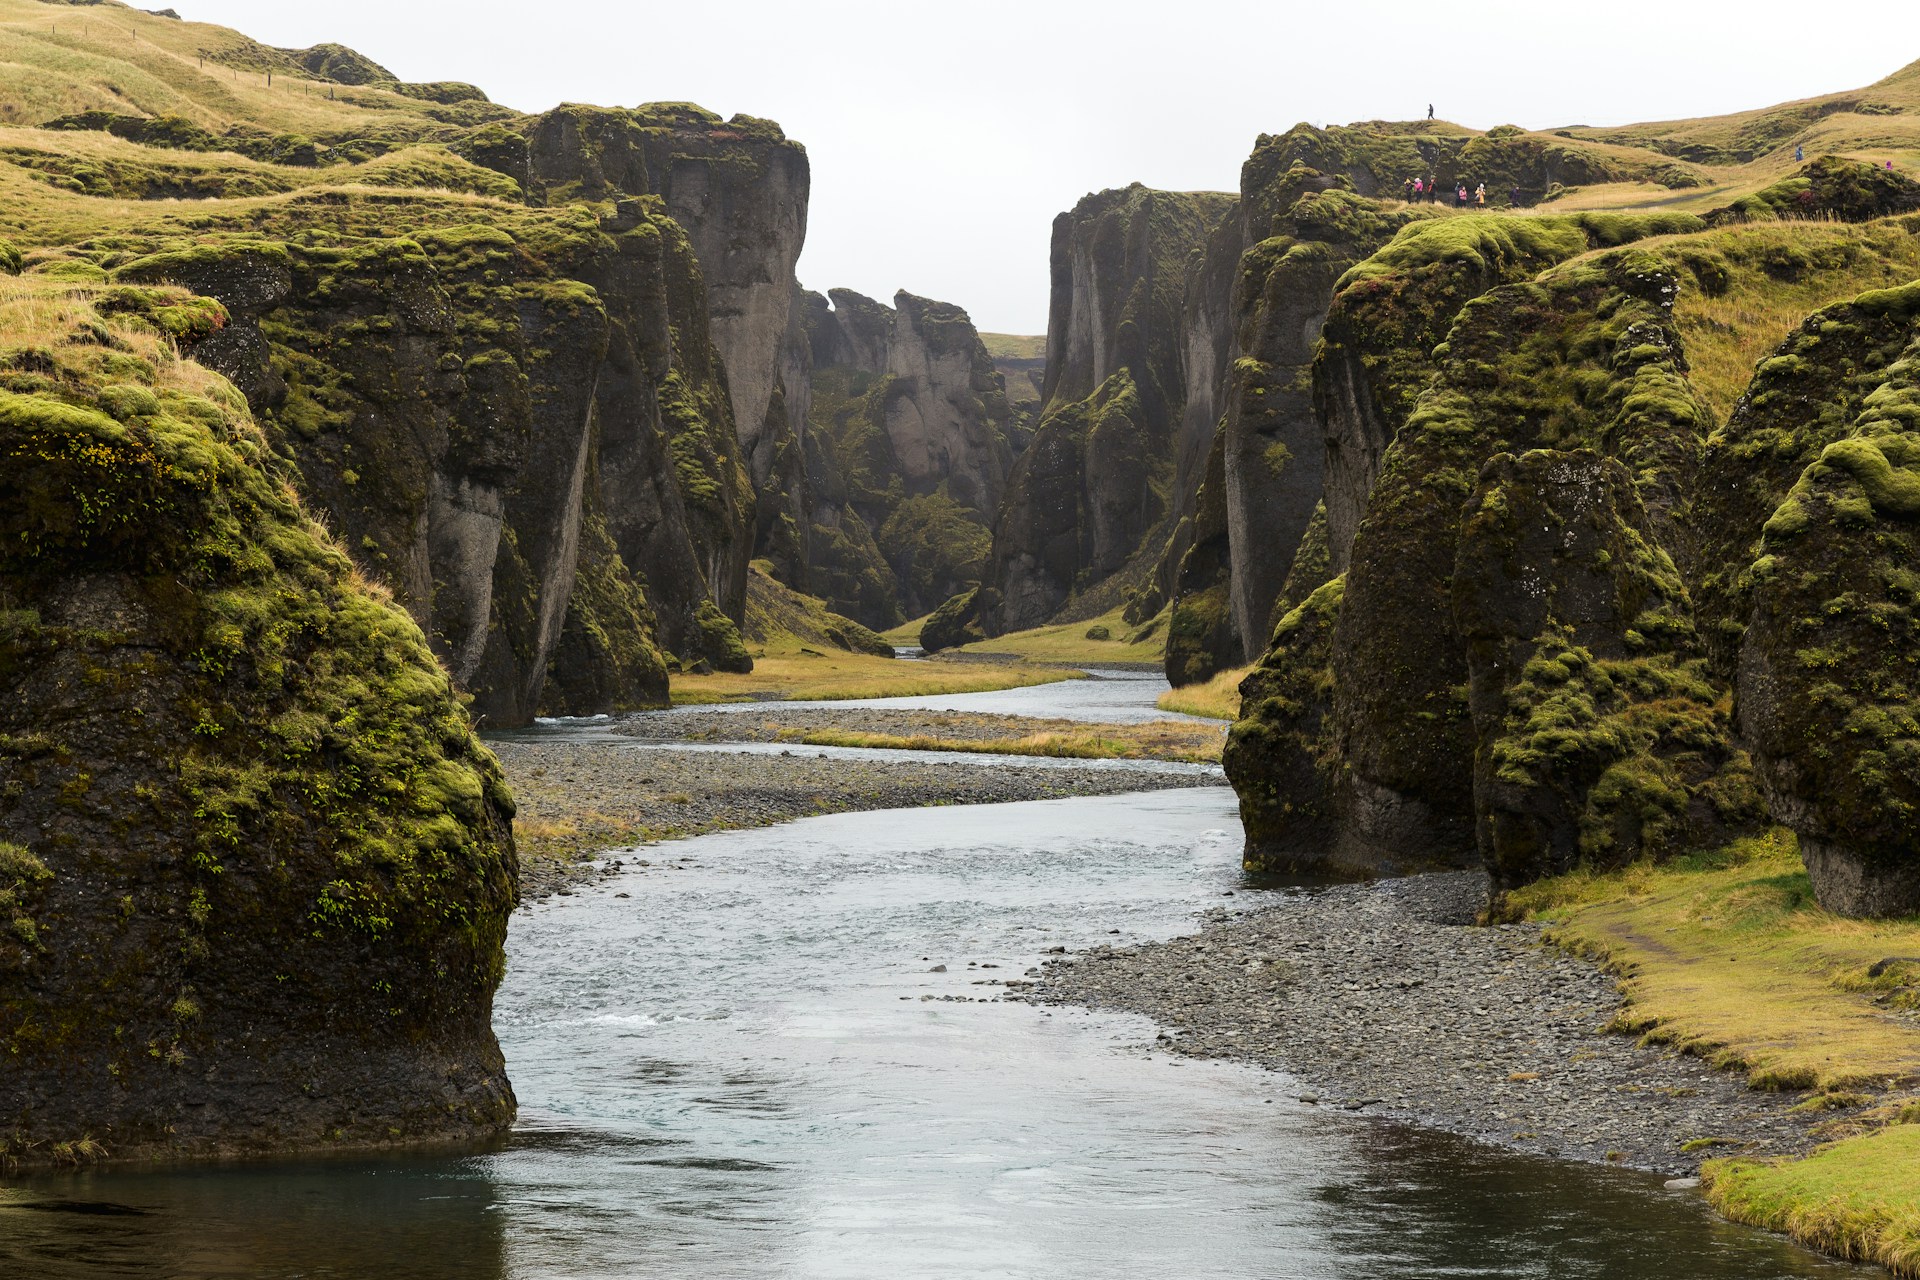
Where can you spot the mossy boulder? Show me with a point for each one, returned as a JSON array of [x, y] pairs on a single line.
[[1599, 739], [957, 622], [256, 867], [1586, 357], [1831, 188], [1829, 660], [1279, 757]]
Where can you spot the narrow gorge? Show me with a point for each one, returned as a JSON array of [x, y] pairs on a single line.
[[507, 690]]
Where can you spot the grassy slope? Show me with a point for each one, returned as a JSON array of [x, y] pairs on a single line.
[[1727, 955], [1013, 346], [1217, 699], [1068, 642], [60, 61]]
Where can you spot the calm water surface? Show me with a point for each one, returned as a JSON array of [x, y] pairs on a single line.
[[735, 1071]]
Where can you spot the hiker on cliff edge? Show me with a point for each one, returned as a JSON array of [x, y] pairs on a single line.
[[1429, 111]]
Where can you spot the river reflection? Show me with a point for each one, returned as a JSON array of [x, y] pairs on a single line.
[[747, 1067]]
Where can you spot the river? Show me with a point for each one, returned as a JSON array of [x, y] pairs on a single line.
[[742, 1062]]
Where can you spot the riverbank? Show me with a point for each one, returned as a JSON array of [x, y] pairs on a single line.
[[838, 676], [1385, 998], [578, 800], [917, 730]]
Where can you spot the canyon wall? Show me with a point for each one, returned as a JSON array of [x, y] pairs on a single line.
[[908, 453]]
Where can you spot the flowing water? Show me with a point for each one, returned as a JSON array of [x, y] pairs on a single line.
[[741, 1063]]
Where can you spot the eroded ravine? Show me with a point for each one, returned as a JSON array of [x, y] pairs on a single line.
[[743, 1061]]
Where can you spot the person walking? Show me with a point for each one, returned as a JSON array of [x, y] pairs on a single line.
[[1799, 153], [1429, 111], [1406, 191], [1433, 189], [1460, 196], [1480, 195]]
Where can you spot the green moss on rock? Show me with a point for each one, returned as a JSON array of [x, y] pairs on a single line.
[[254, 790]]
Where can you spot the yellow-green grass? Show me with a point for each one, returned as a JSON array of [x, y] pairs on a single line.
[[1728, 334], [907, 634], [838, 676], [1015, 346], [1158, 740], [1217, 699], [1728, 956], [1069, 642], [1858, 1198], [60, 60]]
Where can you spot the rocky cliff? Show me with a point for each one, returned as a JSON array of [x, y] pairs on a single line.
[[1569, 630], [908, 453], [558, 421], [255, 868], [1094, 493]]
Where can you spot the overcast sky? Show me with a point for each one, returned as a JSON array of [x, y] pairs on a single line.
[[945, 137]]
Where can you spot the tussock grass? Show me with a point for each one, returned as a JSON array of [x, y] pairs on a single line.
[[1728, 956], [1158, 740], [1217, 699], [1858, 1199], [1069, 642], [840, 676]]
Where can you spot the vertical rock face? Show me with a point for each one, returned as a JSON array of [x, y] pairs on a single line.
[[911, 426], [488, 411], [739, 188], [1826, 692], [1273, 453], [1525, 368], [1513, 675], [255, 868], [1096, 484], [1598, 738]]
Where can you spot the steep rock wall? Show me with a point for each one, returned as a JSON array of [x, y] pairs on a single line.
[[473, 404], [912, 423], [255, 867], [1098, 481]]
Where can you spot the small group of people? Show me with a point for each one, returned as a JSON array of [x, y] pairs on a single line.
[[1427, 189]]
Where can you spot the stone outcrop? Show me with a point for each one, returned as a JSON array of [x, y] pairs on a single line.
[[1095, 488], [255, 868], [1453, 624], [509, 421], [908, 455], [1578, 625], [1598, 739], [1817, 602]]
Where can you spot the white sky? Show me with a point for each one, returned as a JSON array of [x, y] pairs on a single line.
[[945, 137]]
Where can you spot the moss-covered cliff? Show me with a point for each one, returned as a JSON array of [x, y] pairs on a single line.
[[908, 453], [1097, 485], [1512, 672], [255, 869]]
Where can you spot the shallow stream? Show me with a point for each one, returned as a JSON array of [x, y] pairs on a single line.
[[742, 1062]]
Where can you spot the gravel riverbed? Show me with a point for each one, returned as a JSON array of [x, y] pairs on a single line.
[[1384, 998], [577, 800]]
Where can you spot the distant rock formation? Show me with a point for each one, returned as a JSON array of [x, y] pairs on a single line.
[[907, 456]]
